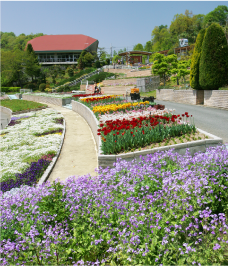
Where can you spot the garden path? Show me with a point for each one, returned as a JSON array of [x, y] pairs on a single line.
[[79, 154]]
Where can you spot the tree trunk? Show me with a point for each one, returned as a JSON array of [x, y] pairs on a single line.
[[177, 81], [164, 79]]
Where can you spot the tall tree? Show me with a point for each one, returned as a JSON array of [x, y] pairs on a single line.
[[218, 15], [194, 73], [148, 46], [213, 69], [32, 67], [138, 47]]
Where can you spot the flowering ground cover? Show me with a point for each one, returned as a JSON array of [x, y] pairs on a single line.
[[167, 209], [21, 105], [23, 143]]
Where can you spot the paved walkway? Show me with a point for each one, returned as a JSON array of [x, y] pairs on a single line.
[[79, 153]]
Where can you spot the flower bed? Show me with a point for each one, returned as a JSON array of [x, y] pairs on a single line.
[[167, 209], [121, 134], [25, 141]]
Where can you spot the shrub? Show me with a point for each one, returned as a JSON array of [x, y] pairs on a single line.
[[194, 73], [70, 72], [213, 68], [10, 89], [107, 61], [97, 64], [42, 86]]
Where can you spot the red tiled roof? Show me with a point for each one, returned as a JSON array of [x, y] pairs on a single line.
[[61, 42]]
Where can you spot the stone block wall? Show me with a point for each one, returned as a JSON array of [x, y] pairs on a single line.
[[211, 98], [164, 95], [184, 96], [83, 87], [216, 98], [148, 84]]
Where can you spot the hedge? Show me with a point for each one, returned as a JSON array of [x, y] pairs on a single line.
[[10, 89], [213, 67]]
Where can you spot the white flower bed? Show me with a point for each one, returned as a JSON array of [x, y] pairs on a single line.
[[128, 115], [19, 145]]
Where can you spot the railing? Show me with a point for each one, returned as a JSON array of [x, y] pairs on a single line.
[[81, 79]]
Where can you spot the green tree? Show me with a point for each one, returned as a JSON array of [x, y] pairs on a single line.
[[218, 15], [88, 59], [160, 66], [114, 53], [213, 69], [161, 39], [32, 67], [148, 46], [138, 47], [194, 73]]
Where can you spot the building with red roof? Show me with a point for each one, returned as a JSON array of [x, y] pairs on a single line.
[[62, 49]]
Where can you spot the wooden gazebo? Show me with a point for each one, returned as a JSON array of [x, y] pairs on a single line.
[[129, 57]]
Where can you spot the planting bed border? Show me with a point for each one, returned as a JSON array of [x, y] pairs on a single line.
[[48, 171], [109, 160]]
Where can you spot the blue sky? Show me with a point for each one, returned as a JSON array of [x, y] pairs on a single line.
[[117, 23]]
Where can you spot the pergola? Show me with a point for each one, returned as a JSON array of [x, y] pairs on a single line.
[[127, 54], [177, 50]]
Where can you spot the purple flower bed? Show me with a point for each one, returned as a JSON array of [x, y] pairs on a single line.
[[167, 209], [14, 120], [60, 130], [59, 120], [29, 177]]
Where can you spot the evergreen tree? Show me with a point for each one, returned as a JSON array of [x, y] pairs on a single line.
[[213, 68], [32, 67], [194, 73]]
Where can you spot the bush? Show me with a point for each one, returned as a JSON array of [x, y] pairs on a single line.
[[10, 89], [42, 86], [194, 73], [107, 61], [97, 64], [213, 68], [100, 77], [70, 72]]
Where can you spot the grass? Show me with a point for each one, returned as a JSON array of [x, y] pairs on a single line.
[[148, 94], [21, 105]]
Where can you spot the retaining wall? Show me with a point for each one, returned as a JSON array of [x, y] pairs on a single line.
[[211, 98], [88, 115], [216, 98], [43, 99], [109, 160], [6, 111]]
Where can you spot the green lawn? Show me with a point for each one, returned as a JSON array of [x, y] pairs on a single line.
[[21, 105], [147, 94]]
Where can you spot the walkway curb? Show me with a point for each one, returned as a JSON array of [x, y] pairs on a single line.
[[48, 171]]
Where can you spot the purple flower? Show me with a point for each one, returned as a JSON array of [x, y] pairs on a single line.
[[217, 246]]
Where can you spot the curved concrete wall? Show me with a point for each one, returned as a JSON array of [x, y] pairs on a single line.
[[8, 113]]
